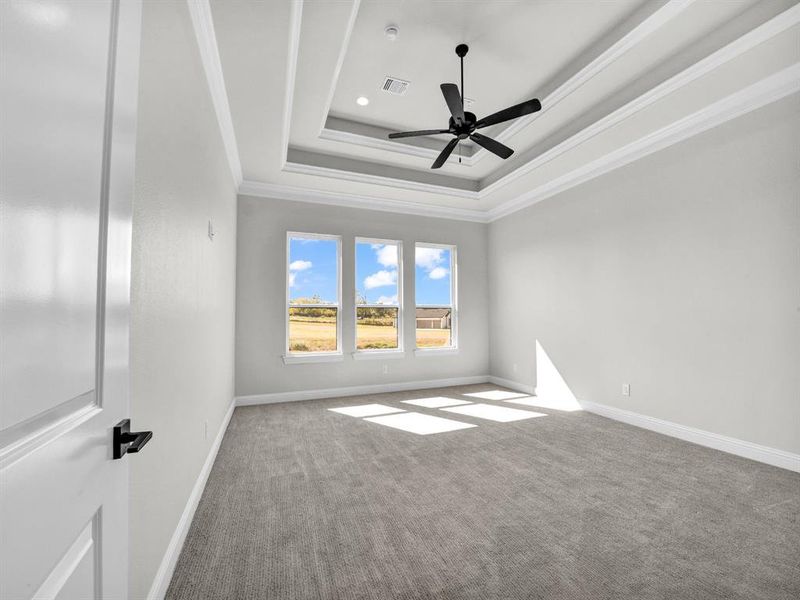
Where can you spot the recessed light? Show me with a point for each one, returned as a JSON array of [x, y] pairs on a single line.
[[362, 100], [392, 32]]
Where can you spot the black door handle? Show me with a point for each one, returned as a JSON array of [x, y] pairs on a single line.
[[126, 440]]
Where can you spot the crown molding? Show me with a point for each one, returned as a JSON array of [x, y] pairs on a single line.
[[203, 25], [627, 42], [392, 182], [748, 41], [753, 97], [303, 194], [295, 24], [766, 91], [741, 45], [351, 22]]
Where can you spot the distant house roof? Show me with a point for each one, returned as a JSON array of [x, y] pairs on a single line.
[[432, 313]]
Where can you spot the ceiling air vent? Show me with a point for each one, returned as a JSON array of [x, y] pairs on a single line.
[[393, 85]]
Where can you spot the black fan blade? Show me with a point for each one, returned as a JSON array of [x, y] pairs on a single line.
[[453, 98], [512, 112], [405, 134], [491, 145], [445, 153]]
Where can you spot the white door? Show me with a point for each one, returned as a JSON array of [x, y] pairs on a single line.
[[68, 88]]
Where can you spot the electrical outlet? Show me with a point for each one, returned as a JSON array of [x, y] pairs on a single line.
[[211, 233], [205, 430], [626, 389], [385, 369]]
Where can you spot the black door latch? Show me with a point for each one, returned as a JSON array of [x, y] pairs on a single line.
[[126, 440]]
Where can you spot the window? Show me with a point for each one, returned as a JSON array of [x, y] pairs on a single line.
[[313, 273], [435, 293], [378, 284]]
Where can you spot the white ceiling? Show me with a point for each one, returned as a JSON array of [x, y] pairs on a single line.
[[617, 78]]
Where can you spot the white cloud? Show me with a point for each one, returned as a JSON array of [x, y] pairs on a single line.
[[380, 279], [387, 299], [428, 258], [386, 255], [300, 265], [291, 279], [438, 273]]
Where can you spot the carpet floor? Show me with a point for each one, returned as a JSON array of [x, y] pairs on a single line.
[[304, 502]]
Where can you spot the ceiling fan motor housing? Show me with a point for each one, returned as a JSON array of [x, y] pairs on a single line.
[[464, 129]]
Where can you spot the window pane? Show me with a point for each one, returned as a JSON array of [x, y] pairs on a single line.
[[376, 273], [313, 280], [376, 327], [432, 283], [434, 326], [312, 329], [313, 271]]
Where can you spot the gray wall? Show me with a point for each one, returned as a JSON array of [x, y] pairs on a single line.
[[183, 284], [261, 296], [679, 274]]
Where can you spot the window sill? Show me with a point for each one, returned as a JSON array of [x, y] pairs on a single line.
[[378, 354], [436, 351], [294, 359]]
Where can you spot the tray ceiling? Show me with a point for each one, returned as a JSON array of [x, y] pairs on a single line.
[[612, 77]]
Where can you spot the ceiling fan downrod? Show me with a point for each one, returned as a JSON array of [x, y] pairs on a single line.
[[461, 51]]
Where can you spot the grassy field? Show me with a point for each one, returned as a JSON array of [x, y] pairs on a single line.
[[375, 336], [306, 335], [433, 338]]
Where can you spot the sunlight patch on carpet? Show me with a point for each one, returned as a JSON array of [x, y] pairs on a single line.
[[435, 402], [496, 395], [419, 423], [501, 414], [366, 410]]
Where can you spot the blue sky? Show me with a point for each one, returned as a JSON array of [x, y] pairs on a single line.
[[312, 270], [432, 269], [376, 272]]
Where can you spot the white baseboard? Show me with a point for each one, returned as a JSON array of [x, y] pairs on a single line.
[[165, 570], [357, 390], [513, 385], [764, 454]]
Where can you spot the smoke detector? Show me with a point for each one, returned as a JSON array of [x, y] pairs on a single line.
[[391, 32], [395, 86]]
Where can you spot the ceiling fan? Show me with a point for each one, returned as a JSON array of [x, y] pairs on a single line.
[[464, 124]]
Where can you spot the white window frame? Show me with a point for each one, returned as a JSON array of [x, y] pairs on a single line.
[[290, 357], [376, 353], [453, 347]]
